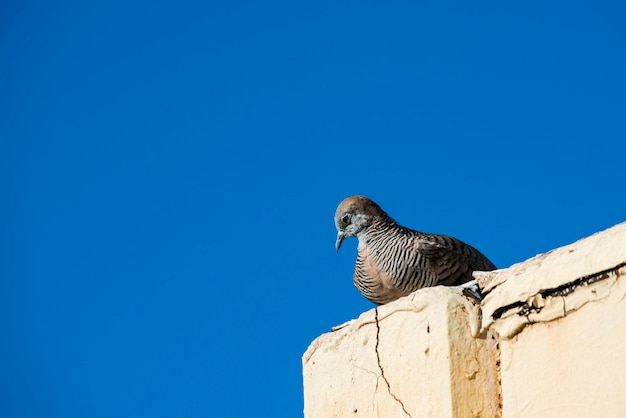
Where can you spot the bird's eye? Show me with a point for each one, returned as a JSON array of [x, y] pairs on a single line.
[[346, 218]]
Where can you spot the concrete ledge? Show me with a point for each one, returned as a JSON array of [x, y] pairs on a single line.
[[413, 357], [572, 366], [548, 340], [550, 285]]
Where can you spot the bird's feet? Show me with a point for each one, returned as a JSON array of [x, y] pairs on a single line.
[[472, 291]]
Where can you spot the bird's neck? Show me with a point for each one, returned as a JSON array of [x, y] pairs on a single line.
[[381, 227]]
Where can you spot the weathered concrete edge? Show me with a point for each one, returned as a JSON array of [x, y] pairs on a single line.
[[415, 302], [550, 285], [600, 251], [540, 308]]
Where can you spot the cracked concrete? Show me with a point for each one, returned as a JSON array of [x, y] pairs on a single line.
[[382, 371], [400, 360], [550, 304], [574, 361], [547, 340], [556, 269]]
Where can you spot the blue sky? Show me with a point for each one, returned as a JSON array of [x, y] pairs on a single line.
[[170, 171]]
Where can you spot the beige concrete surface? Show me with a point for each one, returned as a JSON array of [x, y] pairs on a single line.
[[548, 340], [523, 282], [413, 357], [572, 367]]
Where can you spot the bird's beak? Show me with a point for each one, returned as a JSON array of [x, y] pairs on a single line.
[[340, 236]]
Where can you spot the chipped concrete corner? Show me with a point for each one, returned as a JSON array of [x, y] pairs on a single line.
[[556, 320]]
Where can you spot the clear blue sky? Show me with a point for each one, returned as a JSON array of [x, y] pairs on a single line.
[[169, 173]]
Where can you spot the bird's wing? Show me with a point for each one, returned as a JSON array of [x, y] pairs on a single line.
[[452, 259]]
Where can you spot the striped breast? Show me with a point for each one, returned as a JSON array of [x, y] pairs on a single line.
[[394, 261], [389, 265]]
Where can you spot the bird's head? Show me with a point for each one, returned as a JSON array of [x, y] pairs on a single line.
[[353, 216]]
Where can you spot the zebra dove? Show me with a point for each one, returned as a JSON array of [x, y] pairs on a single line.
[[394, 261]]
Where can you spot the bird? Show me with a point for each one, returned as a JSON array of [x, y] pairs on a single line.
[[394, 261]]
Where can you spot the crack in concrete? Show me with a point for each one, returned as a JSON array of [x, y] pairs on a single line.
[[567, 288], [356, 366], [525, 309], [382, 373], [376, 376]]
